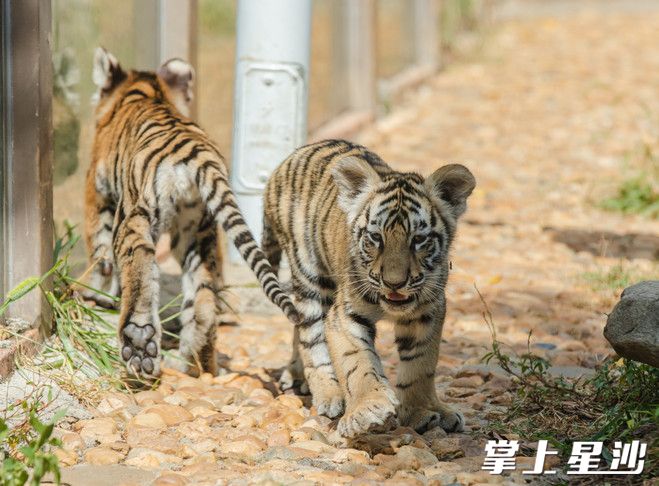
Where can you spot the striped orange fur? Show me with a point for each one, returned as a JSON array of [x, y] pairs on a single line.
[[365, 242], [154, 170]]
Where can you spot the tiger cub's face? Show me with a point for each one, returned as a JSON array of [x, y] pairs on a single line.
[[401, 226]]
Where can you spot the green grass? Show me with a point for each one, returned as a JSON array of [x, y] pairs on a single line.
[[638, 193], [26, 443], [635, 196], [615, 278], [620, 402], [82, 355]]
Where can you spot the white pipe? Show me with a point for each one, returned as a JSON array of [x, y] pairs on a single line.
[[270, 99]]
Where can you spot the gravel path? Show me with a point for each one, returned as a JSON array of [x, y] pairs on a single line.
[[546, 116]]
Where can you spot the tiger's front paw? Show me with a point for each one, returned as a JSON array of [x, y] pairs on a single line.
[[424, 419], [328, 400], [140, 349], [375, 412]]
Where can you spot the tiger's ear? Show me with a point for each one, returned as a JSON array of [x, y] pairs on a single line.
[[452, 183], [106, 73], [179, 76], [354, 177]]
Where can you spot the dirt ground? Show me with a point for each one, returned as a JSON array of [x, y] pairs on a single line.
[[549, 115]]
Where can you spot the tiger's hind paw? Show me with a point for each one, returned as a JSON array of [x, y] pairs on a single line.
[[99, 299], [140, 350], [422, 420]]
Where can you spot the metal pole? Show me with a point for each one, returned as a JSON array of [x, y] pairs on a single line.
[[426, 33], [354, 34], [177, 35], [27, 195], [165, 29], [270, 99]]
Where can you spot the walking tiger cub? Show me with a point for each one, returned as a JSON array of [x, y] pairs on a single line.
[[153, 170], [364, 241]]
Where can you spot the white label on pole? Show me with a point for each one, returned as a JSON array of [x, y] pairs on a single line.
[[272, 119]]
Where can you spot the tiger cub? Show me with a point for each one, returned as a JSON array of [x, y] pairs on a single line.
[[365, 242], [153, 170]]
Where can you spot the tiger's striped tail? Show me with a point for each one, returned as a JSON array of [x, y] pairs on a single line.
[[221, 203]]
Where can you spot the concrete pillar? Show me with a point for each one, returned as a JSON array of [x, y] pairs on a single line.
[[270, 98]]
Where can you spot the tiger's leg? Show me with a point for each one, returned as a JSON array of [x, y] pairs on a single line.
[[326, 393], [293, 374], [418, 347], [201, 306], [370, 401], [99, 221], [139, 325]]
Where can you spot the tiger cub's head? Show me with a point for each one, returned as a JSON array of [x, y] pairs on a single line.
[[172, 82], [402, 226]]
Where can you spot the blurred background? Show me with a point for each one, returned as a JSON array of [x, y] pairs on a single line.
[[552, 104], [119, 25]]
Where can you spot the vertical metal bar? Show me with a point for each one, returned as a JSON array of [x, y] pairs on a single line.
[[270, 99], [426, 33], [354, 36], [165, 29], [3, 123], [146, 28], [27, 157], [177, 33]]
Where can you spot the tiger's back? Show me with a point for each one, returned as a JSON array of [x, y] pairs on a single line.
[[301, 203], [153, 170]]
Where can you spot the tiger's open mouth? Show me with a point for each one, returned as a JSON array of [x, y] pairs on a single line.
[[396, 299]]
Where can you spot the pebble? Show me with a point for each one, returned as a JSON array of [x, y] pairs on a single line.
[[148, 419], [98, 430], [148, 397], [474, 381], [314, 446], [292, 419], [351, 455], [102, 456], [171, 414], [415, 458], [478, 478], [170, 479], [66, 457], [290, 401], [202, 411], [448, 448], [72, 441], [246, 444], [203, 446], [150, 459], [476, 401], [112, 403], [279, 438]]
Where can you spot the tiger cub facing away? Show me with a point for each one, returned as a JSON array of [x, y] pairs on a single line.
[[365, 242], [153, 170]]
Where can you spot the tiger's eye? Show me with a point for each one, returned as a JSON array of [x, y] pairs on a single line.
[[419, 239], [375, 237]]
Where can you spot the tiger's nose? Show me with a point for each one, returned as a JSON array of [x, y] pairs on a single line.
[[394, 286]]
